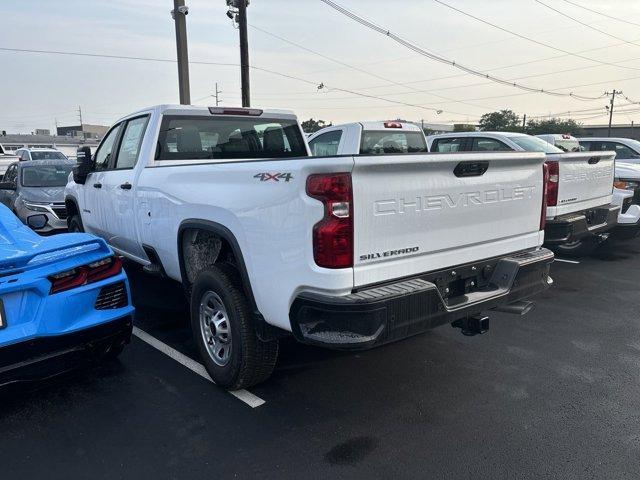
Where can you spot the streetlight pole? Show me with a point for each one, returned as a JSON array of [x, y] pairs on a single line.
[[244, 51], [179, 14]]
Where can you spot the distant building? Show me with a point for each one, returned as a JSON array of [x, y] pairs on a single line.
[[67, 145], [43, 131], [619, 130], [83, 131]]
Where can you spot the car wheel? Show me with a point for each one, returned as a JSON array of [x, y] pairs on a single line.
[[223, 328], [75, 224]]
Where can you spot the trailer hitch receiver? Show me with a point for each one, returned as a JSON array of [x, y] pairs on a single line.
[[474, 325]]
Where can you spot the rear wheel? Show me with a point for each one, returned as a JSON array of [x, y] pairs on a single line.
[[224, 331], [75, 224]]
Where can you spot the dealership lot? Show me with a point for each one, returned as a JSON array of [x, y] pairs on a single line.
[[552, 394]]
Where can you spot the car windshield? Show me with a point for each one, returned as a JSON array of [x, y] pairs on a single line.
[[48, 155], [46, 175], [534, 144], [634, 145], [379, 142]]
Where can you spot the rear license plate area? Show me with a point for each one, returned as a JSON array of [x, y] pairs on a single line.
[[455, 283]]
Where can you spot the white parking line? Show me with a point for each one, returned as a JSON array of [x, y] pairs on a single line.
[[566, 261], [243, 395]]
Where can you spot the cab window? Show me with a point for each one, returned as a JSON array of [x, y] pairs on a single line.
[[448, 145], [482, 144], [381, 142], [622, 151], [105, 150], [326, 144], [131, 142]]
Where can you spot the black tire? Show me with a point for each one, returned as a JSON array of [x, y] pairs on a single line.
[[75, 224], [251, 360]]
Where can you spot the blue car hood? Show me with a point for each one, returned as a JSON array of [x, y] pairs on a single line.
[[22, 248]]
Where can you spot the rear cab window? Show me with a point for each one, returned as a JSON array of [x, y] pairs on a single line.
[[385, 141], [218, 137]]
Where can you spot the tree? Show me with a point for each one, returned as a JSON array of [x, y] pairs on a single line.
[[502, 121], [311, 125], [463, 127], [554, 125]]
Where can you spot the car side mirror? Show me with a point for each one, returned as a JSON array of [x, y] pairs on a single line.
[[7, 186], [84, 166]]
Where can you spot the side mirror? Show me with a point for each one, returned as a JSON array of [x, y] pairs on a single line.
[[84, 166], [7, 186]]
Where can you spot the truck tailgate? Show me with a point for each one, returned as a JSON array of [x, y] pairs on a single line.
[[585, 181], [418, 213]]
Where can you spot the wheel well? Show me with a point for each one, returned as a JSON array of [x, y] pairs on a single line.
[[72, 208], [201, 248], [201, 244]]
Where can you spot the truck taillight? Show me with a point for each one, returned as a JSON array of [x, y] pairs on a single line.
[[333, 235], [79, 276], [552, 183], [545, 192]]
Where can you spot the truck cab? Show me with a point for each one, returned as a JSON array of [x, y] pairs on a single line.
[[368, 138]]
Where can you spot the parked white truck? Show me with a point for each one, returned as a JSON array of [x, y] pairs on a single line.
[[343, 251], [580, 208], [368, 138]]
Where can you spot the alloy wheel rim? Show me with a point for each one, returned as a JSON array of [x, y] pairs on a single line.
[[215, 328]]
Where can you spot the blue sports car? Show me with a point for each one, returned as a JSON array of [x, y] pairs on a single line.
[[62, 299]]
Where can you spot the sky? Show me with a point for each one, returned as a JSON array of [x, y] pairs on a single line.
[[366, 75]]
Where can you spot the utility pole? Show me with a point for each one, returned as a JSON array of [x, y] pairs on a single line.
[[524, 122], [179, 14], [613, 99], [244, 51], [218, 92], [80, 116]]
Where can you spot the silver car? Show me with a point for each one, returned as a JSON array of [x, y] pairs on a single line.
[[34, 191]]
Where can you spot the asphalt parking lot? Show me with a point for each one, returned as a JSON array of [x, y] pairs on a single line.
[[554, 394]]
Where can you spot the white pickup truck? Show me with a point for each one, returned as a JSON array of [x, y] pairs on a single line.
[[368, 138], [344, 251], [580, 212]]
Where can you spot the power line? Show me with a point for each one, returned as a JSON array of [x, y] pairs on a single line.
[[529, 39], [586, 24], [361, 70], [600, 13], [440, 59], [260, 69]]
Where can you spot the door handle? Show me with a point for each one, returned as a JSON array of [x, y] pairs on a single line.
[[126, 186], [97, 185]]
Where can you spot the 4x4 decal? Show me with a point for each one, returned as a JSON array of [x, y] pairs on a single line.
[[276, 177]]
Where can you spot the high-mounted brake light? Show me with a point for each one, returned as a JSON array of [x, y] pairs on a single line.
[[545, 182], [552, 183], [333, 235], [392, 125], [91, 273], [252, 112]]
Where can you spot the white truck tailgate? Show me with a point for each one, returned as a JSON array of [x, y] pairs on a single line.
[[413, 214], [585, 181]]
